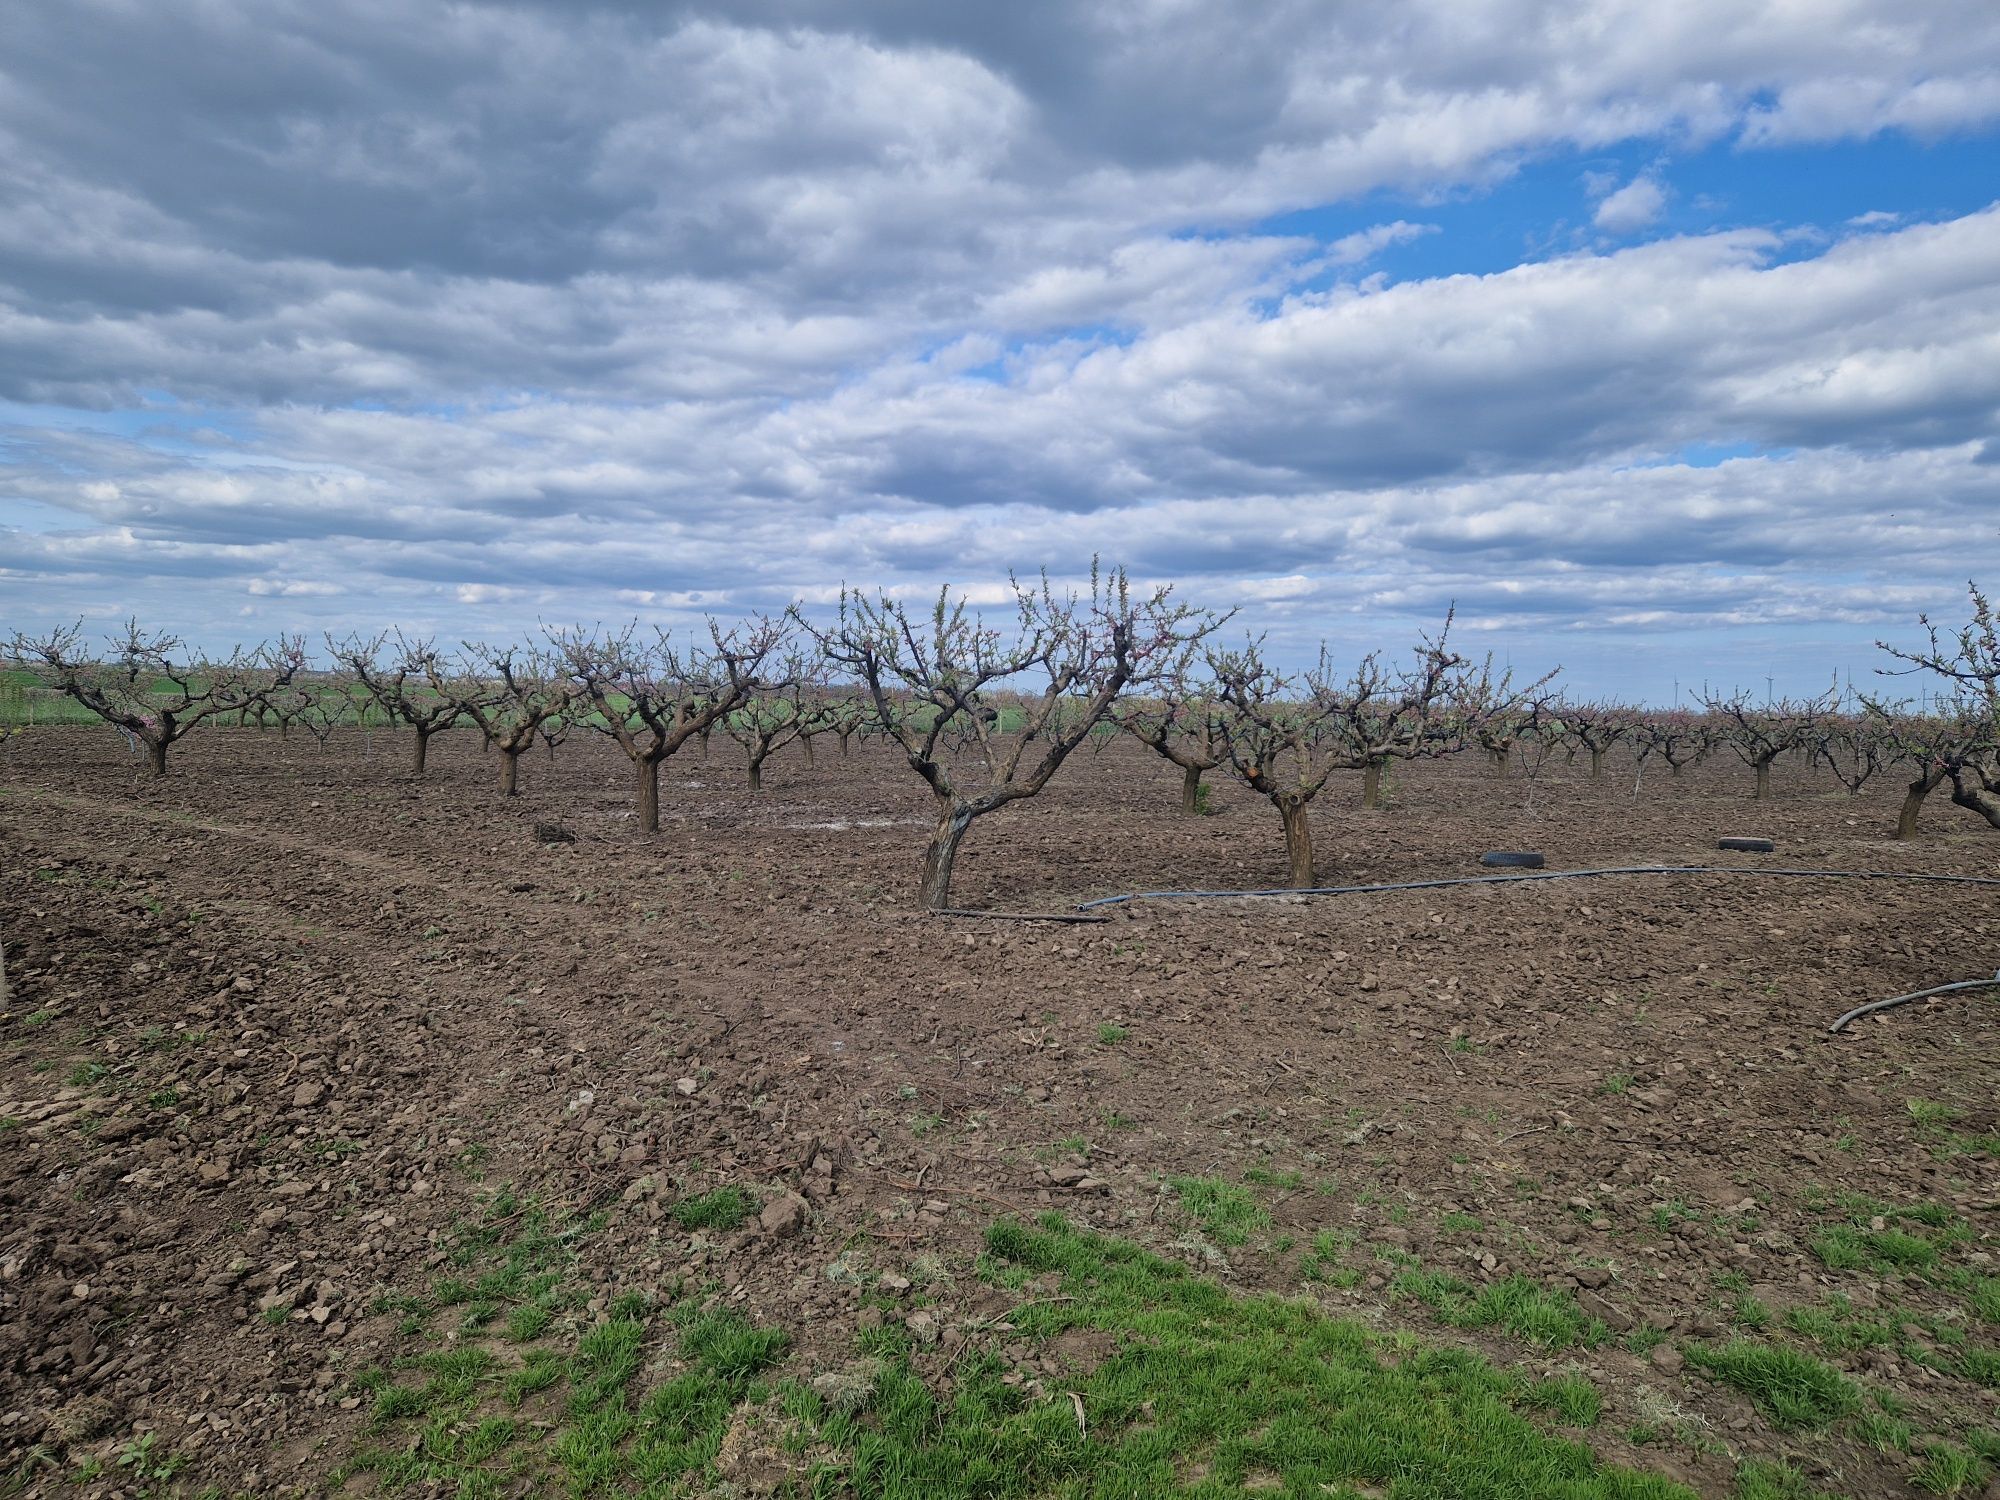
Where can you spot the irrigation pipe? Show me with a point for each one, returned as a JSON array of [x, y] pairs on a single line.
[[1894, 1000], [1432, 885]]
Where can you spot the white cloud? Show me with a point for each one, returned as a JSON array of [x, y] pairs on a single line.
[[485, 310], [1631, 208]]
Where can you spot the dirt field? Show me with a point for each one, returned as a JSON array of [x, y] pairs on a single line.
[[286, 1022]]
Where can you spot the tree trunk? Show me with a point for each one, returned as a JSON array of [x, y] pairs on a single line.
[[806, 740], [422, 753], [1298, 844], [647, 775], [757, 774], [1371, 784], [703, 737], [1913, 803], [1191, 791], [156, 756], [1596, 765], [1499, 762], [941, 855], [510, 771], [1763, 780], [1983, 800], [843, 747]]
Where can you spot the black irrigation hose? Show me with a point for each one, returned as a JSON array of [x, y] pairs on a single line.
[[1432, 885], [1894, 1000]]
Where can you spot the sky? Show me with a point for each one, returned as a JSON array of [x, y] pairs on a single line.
[[1663, 341]]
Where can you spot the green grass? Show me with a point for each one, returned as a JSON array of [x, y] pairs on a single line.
[[450, 1420], [1227, 1214], [1948, 1470], [1200, 1393], [722, 1209], [1517, 1305], [1323, 1261], [1794, 1391], [1760, 1479], [1109, 1034], [1845, 1248]]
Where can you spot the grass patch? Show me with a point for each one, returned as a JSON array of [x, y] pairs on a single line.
[[449, 1421], [1227, 1214], [1948, 1470], [1201, 1393], [722, 1209], [1794, 1391], [1760, 1479], [1845, 1248], [1524, 1308], [1323, 1261]]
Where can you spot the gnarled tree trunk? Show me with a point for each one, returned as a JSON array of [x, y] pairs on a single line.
[[1298, 844], [1913, 802], [941, 854], [646, 774], [1977, 790], [1371, 784], [510, 771], [421, 753], [156, 756]]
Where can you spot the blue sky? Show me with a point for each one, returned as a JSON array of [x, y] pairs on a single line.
[[1665, 342]]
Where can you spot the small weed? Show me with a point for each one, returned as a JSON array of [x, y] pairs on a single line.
[[1272, 1177], [1458, 1223], [147, 1464], [1109, 1034], [84, 1074], [1616, 1083], [1931, 1112]]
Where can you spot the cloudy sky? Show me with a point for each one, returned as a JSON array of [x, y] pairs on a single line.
[[1664, 339]]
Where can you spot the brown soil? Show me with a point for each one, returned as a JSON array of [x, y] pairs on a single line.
[[392, 997]]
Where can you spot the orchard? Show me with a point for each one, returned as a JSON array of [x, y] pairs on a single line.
[[607, 1057]]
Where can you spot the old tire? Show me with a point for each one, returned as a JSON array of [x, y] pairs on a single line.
[[1511, 859], [1747, 845]]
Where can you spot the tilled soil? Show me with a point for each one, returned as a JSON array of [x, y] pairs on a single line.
[[281, 1020]]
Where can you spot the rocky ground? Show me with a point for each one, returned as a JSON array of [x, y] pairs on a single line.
[[283, 1024]]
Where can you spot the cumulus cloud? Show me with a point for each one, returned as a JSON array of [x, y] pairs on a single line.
[[1630, 208]]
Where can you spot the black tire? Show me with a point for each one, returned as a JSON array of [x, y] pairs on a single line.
[[1746, 845], [1511, 859]]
